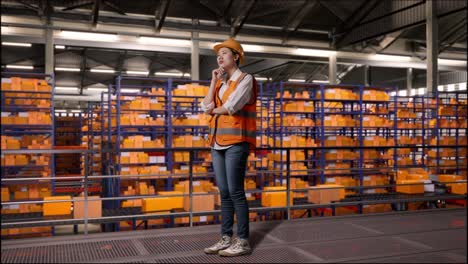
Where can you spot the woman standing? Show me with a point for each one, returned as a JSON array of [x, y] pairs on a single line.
[[231, 100]]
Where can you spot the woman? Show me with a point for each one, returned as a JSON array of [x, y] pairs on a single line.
[[231, 100]]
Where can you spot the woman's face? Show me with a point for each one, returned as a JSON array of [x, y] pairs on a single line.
[[226, 58]]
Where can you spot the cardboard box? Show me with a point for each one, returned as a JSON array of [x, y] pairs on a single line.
[[59, 208], [319, 195], [200, 202], [410, 189], [94, 207]]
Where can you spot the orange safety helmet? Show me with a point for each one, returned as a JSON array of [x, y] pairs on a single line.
[[232, 44]]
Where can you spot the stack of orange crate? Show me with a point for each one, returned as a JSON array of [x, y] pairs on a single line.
[[34, 95]]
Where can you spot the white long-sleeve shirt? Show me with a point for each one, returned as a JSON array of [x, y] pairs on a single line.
[[236, 100]]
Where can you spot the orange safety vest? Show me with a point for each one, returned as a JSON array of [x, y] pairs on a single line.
[[241, 126]]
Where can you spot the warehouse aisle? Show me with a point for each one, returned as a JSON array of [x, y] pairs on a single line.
[[437, 236]]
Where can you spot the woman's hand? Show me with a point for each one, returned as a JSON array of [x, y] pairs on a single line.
[[217, 74]]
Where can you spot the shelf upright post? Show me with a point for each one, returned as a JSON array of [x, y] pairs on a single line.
[[118, 170], [438, 131], [395, 136], [322, 134], [52, 113], [282, 130], [170, 131], [423, 130], [361, 154], [456, 134]]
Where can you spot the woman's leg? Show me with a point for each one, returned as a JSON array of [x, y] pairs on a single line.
[[227, 206], [236, 164]]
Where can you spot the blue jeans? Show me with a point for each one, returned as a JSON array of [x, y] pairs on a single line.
[[230, 166]]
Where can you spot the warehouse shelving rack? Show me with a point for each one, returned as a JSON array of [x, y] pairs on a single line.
[[20, 130], [281, 133], [325, 108], [18, 101], [68, 132], [451, 124], [186, 106]]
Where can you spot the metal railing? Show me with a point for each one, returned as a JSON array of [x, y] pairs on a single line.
[[191, 176]]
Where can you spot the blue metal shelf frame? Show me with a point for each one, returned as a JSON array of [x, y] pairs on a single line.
[[47, 130], [440, 97]]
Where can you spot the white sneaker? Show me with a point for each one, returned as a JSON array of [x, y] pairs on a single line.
[[223, 243], [239, 247]]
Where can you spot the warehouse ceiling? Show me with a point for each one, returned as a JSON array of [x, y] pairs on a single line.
[[339, 24]]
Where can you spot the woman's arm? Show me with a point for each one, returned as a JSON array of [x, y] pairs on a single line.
[[207, 104]]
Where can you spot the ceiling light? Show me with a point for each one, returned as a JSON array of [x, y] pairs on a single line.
[[76, 111], [165, 41], [102, 71], [451, 87], [440, 88], [64, 88], [296, 80], [314, 52], [421, 91], [177, 74], [59, 46], [187, 75], [462, 86], [97, 89], [253, 48], [384, 57], [20, 67], [261, 78], [320, 81], [129, 90], [16, 44], [60, 110], [88, 36], [451, 62], [67, 69], [402, 93], [413, 92], [137, 72]]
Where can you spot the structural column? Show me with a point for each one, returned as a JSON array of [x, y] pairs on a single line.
[[367, 75], [332, 69], [432, 50], [195, 57], [409, 80], [49, 51]]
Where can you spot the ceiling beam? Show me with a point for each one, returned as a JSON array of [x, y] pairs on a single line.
[[114, 7], [95, 14], [297, 19], [82, 69], [353, 20], [29, 6], [225, 12], [71, 7], [317, 69], [454, 40], [292, 73], [160, 14], [452, 31], [388, 40], [120, 63], [219, 15], [240, 20], [278, 72], [338, 13]]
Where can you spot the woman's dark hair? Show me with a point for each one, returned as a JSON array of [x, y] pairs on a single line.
[[235, 53]]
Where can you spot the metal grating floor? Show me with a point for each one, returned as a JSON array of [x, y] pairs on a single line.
[[432, 236]]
